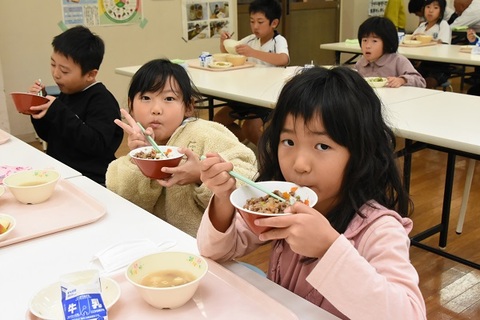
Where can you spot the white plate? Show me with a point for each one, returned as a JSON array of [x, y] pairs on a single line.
[[220, 65], [47, 303], [374, 81]]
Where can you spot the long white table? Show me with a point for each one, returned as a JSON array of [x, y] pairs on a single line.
[[15, 152], [438, 53], [28, 266]]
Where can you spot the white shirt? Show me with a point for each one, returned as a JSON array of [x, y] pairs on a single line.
[[470, 17], [440, 31], [277, 44]]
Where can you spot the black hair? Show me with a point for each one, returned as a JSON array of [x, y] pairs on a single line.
[[81, 45], [351, 113], [271, 9], [442, 4], [153, 77], [384, 29], [415, 6]]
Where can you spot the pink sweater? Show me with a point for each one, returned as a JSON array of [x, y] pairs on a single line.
[[365, 274]]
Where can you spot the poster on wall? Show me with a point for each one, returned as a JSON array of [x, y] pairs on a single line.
[[205, 19], [101, 12], [376, 8]]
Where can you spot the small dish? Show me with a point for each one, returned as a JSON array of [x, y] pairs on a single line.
[[220, 65], [47, 303], [7, 224], [376, 82]]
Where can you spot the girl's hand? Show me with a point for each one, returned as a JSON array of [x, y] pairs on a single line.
[[214, 174], [186, 173], [306, 230], [395, 82], [136, 139], [43, 108]]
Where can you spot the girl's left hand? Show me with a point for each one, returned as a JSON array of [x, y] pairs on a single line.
[[186, 173], [395, 82], [306, 230]]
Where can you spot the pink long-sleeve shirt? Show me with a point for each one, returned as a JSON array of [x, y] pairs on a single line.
[[391, 65], [365, 274]]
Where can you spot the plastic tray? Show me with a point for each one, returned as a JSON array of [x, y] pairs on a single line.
[[432, 43], [4, 136], [196, 64], [221, 295], [69, 207]]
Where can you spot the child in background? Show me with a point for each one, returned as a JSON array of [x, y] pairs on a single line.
[[350, 253], [265, 47], [435, 73], [395, 12], [78, 125], [378, 39], [161, 97]]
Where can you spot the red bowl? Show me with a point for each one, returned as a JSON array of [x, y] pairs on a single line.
[[240, 196], [152, 168], [23, 101]]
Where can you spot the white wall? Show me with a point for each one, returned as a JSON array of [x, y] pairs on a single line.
[[27, 28]]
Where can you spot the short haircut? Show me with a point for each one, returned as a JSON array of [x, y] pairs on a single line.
[[384, 29], [415, 6], [154, 75], [270, 8], [442, 4], [82, 46]]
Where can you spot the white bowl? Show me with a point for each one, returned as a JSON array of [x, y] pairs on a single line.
[[230, 45], [7, 223], [47, 303], [173, 296], [376, 82], [240, 196], [32, 186]]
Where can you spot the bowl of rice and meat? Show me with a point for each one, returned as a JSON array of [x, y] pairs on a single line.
[[254, 204]]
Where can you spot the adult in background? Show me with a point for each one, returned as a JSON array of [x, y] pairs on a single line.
[[396, 13]]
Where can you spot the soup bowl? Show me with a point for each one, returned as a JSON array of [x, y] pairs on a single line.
[[236, 59], [152, 167], [239, 198], [424, 38], [230, 45], [167, 280], [32, 186], [23, 101]]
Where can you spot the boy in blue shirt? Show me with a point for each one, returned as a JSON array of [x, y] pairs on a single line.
[[264, 46], [78, 125]]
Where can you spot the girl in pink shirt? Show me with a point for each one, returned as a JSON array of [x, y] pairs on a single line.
[[349, 254]]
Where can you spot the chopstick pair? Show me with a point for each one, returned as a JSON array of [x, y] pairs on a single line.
[[152, 142]]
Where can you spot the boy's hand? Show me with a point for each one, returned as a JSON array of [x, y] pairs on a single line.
[[244, 49], [186, 173], [42, 109], [136, 138], [471, 35], [36, 88], [306, 230]]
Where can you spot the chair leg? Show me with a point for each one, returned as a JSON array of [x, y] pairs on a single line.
[[466, 194]]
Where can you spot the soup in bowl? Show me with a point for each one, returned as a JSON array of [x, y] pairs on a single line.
[[167, 280]]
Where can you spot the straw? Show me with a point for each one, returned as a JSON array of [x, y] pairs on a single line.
[[150, 139]]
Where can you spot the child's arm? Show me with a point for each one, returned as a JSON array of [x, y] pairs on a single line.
[[471, 36], [224, 36], [277, 59], [214, 174]]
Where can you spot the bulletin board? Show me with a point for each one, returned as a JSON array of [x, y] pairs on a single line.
[[101, 12], [376, 8], [206, 19]]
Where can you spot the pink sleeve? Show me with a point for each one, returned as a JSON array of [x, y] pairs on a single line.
[[377, 281], [236, 242]]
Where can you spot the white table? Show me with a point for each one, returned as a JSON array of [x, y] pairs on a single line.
[[443, 121], [439, 53], [15, 152], [28, 266]]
